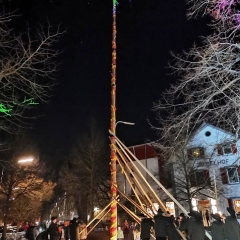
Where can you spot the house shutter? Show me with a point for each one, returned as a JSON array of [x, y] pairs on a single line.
[[193, 181], [202, 154], [230, 203], [206, 177], [220, 151], [234, 148], [238, 169], [224, 177], [189, 154]]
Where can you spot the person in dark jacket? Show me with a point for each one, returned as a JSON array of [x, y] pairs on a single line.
[[42, 236], [184, 224], [217, 228], [74, 230], [146, 225], [232, 226], [30, 233], [172, 232], [160, 225], [53, 229], [196, 229], [66, 232]]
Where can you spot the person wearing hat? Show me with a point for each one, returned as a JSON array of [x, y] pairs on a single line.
[[217, 228], [232, 226], [53, 229], [196, 229], [161, 225], [146, 225]]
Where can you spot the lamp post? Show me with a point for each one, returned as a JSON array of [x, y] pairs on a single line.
[[123, 122]]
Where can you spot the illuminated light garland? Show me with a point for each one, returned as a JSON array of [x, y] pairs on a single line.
[[30, 101], [113, 157], [7, 109]]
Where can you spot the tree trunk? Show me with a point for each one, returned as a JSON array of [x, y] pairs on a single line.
[[5, 218]]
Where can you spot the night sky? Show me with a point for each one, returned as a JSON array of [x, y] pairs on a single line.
[[147, 30]]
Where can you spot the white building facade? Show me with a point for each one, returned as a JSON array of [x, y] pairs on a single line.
[[215, 153]]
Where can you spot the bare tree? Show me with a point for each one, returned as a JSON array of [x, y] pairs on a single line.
[[208, 89], [28, 206], [19, 180], [85, 174], [28, 67]]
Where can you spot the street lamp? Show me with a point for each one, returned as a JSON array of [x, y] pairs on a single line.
[[126, 123], [25, 160]]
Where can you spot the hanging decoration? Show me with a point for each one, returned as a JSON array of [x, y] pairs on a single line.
[[6, 109]]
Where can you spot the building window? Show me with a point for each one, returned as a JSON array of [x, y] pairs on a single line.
[[227, 149], [200, 178], [195, 153], [230, 175]]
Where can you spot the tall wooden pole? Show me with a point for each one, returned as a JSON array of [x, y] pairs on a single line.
[[113, 226]]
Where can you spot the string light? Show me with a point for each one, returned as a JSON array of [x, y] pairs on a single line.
[[7, 109]]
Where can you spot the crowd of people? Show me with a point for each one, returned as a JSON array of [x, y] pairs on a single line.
[[164, 226], [75, 230]]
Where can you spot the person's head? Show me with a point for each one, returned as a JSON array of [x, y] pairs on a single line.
[[179, 219], [160, 211], [26, 223], [181, 215], [54, 219]]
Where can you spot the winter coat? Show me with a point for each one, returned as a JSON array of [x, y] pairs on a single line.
[[83, 228], [184, 224], [126, 228], [196, 230], [30, 233], [66, 232], [172, 232], [145, 227], [218, 231], [136, 234], [42, 236], [59, 232], [120, 233], [74, 231], [160, 225], [53, 231], [232, 229]]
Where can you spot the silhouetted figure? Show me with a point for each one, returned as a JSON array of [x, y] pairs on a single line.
[[232, 226], [196, 229], [217, 228]]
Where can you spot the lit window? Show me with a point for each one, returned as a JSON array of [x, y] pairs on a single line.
[[195, 153]]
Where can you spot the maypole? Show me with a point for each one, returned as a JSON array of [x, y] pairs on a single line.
[[113, 227]]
